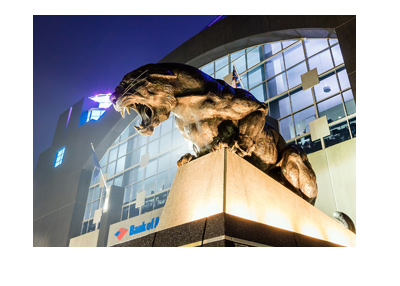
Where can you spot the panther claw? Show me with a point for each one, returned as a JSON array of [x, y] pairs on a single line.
[[185, 159]]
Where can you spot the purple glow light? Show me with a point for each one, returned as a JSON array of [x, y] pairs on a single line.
[[103, 99]]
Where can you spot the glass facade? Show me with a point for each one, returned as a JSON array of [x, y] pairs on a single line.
[[59, 157], [272, 73], [138, 164]]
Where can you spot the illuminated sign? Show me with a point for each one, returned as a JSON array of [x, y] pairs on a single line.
[[144, 227]]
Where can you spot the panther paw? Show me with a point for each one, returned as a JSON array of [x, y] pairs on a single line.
[[185, 159], [219, 146]]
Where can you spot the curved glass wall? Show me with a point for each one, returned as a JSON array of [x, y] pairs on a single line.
[[272, 73]]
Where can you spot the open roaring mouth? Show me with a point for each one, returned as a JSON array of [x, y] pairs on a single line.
[[145, 112]]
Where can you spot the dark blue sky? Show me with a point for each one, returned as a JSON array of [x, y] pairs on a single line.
[[79, 56]]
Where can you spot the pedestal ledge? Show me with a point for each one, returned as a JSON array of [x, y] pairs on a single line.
[[222, 182]]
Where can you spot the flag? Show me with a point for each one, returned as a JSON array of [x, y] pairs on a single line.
[[236, 82], [96, 164]]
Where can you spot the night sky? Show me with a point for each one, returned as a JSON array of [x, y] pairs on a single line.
[[80, 56]]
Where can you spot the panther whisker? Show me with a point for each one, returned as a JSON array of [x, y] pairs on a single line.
[[133, 83]]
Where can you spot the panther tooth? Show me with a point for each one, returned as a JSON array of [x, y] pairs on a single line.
[[128, 109], [137, 128], [141, 126], [122, 113]]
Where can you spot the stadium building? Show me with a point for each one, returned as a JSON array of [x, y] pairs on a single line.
[[303, 67]]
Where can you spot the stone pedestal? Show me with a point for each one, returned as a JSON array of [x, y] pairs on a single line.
[[222, 200]]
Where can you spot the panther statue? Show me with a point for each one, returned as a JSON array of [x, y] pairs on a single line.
[[213, 115]]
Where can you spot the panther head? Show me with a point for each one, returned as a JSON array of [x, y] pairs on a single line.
[[150, 93]]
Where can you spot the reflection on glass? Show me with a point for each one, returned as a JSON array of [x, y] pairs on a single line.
[[148, 205], [274, 66], [294, 55], [221, 62], [208, 69], [120, 165], [111, 169], [308, 145], [294, 74], [286, 128], [254, 57], [343, 79], [165, 142], [322, 62], [301, 98], [256, 76], [286, 44], [327, 86], [259, 92], [332, 108], [315, 45], [222, 73], [236, 55], [125, 211], [113, 154], [162, 181], [352, 123], [280, 107], [133, 211], [271, 49], [240, 64], [277, 85], [302, 118], [149, 185], [339, 133], [337, 55], [349, 102], [160, 199]]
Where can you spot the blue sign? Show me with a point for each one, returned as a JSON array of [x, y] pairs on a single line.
[[144, 227]]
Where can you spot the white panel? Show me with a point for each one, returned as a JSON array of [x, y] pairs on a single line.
[[309, 79], [319, 128]]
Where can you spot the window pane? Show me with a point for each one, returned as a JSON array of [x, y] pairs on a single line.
[[271, 49], [301, 98], [125, 211], [333, 41], [113, 154], [343, 79], [162, 181], [122, 149], [349, 102], [90, 195], [95, 206], [91, 226], [221, 62], [352, 123], [96, 193], [148, 205], [111, 169], [118, 180], [256, 76], [288, 43], [136, 188], [137, 174], [260, 92], [84, 227], [127, 195], [294, 74], [286, 128], [308, 145], [160, 199], [327, 86], [302, 118], [294, 55], [254, 57], [133, 210], [280, 107], [149, 185], [120, 165], [151, 168], [277, 85], [208, 69], [222, 73], [332, 108], [274, 66], [321, 61], [339, 133], [243, 78], [236, 55], [153, 148], [87, 212], [164, 162], [315, 45], [240, 64], [165, 142], [337, 55]]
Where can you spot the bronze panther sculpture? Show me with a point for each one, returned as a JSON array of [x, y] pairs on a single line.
[[213, 115]]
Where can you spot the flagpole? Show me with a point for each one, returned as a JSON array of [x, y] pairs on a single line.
[[105, 185]]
